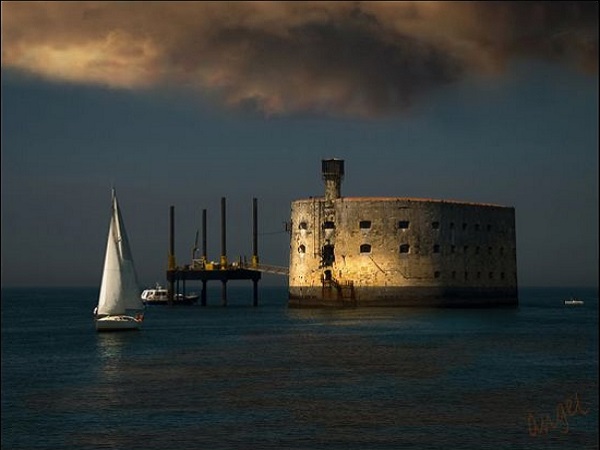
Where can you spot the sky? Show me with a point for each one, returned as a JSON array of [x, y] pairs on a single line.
[[183, 103]]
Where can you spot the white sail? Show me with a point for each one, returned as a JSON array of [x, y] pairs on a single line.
[[119, 291]]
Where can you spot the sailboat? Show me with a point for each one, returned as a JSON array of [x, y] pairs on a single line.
[[119, 304]]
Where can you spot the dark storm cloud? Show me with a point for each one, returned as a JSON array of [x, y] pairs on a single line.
[[356, 58]]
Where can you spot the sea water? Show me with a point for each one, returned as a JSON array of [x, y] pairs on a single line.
[[243, 377]]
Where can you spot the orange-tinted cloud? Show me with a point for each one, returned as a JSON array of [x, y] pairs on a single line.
[[356, 58]]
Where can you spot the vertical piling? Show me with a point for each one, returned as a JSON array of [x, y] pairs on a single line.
[[254, 292], [171, 252], [254, 233], [223, 235], [204, 235], [224, 292], [254, 250], [223, 250], [203, 294]]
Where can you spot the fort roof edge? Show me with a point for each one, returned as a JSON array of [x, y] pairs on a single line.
[[406, 199]]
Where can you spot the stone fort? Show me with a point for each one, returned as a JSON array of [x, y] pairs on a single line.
[[397, 251]]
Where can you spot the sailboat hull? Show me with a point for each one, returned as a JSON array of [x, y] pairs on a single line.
[[118, 323]]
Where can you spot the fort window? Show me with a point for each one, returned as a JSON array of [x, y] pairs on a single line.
[[329, 225], [477, 250], [489, 227], [491, 275], [403, 224], [303, 226], [365, 248], [436, 274], [476, 227], [302, 249], [464, 226], [478, 275], [453, 275], [364, 224], [435, 225], [490, 250], [453, 249], [452, 225], [502, 275], [502, 250], [436, 248], [466, 275], [404, 248], [465, 248]]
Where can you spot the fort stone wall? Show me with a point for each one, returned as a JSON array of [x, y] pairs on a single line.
[[395, 251]]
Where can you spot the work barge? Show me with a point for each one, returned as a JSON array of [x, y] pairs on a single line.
[[201, 269]]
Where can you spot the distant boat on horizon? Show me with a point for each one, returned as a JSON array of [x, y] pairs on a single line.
[[573, 302]]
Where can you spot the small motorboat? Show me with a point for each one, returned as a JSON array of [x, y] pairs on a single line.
[[573, 302], [160, 296]]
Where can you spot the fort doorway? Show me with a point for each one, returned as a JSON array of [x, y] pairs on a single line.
[[328, 256]]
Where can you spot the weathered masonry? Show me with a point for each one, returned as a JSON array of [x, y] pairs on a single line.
[[399, 251]]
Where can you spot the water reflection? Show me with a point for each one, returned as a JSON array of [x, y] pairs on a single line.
[[110, 345], [353, 316], [429, 320], [114, 351]]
